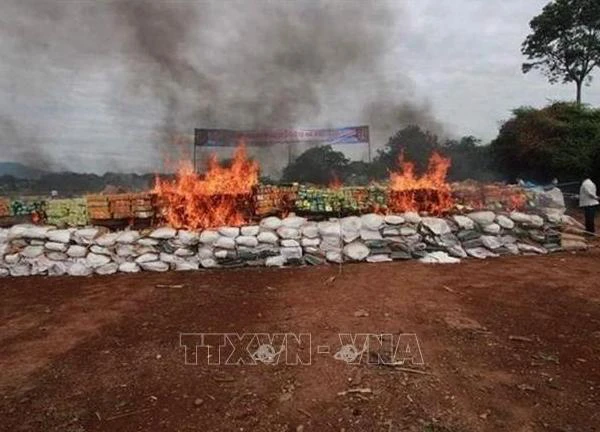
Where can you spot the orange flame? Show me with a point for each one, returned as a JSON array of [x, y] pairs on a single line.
[[429, 192], [517, 202], [335, 182], [220, 197], [493, 196]]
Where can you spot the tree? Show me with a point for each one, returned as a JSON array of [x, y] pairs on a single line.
[[416, 144], [470, 159], [565, 42], [318, 165], [561, 140]]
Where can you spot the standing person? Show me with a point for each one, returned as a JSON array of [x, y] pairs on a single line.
[[588, 201]]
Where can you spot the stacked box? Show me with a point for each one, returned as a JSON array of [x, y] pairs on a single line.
[[120, 206], [142, 205], [98, 207], [498, 196], [67, 212], [491, 196], [272, 199], [4, 207], [468, 193]]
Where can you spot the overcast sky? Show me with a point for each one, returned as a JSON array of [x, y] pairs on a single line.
[[458, 60]]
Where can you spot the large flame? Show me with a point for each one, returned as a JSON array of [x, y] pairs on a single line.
[[220, 197], [429, 192]]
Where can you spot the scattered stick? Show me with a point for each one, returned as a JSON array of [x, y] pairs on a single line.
[[483, 332], [356, 390], [389, 424], [303, 411], [583, 231], [126, 414], [169, 286], [520, 338], [409, 370], [447, 288], [224, 379], [398, 366]]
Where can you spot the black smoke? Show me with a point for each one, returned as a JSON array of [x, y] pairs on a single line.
[[222, 64]]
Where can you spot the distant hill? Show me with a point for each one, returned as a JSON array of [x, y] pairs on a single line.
[[20, 170]]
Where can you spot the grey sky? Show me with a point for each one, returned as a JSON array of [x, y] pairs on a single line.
[[469, 54], [68, 100]]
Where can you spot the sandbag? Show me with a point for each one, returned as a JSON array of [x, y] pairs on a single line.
[[129, 267], [439, 257], [163, 233], [231, 232], [372, 221], [356, 251], [271, 223]]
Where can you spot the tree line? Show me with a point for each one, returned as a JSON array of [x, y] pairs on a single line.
[[561, 141]]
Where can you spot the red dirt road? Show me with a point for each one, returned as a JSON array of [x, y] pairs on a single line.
[[511, 344]]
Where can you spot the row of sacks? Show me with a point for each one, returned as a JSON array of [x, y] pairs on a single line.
[[32, 250]]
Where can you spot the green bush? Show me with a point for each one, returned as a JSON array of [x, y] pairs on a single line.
[[561, 140]]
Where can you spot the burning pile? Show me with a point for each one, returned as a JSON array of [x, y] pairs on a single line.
[[428, 193], [209, 225], [220, 197], [232, 195]]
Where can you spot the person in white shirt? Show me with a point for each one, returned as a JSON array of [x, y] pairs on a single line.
[[588, 201]]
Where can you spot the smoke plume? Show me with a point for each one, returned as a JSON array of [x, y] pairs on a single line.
[[177, 65]]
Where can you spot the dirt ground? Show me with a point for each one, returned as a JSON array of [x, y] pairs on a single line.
[[511, 344]]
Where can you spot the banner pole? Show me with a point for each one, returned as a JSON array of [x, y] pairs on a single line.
[[194, 157]]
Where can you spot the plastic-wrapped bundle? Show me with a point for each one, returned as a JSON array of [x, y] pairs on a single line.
[[371, 199], [67, 212], [316, 200], [341, 200], [23, 208]]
